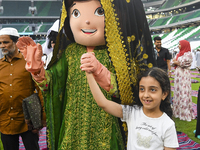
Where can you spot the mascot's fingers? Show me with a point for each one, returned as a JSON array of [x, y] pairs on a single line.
[[87, 55], [27, 41], [87, 65], [39, 46], [21, 45], [86, 70], [39, 49], [24, 40], [30, 41], [83, 61]]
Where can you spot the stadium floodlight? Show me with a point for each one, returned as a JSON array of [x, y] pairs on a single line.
[[1, 9], [32, 10]]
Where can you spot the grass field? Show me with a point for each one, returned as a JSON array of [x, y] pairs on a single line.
[[185, 126]]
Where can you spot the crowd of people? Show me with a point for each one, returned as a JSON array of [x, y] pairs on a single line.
[[128, 102]]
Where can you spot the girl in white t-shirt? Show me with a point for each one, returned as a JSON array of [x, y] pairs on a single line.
[[149, 122]]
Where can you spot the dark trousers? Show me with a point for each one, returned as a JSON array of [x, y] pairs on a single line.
[[11, 142], [198, 115]]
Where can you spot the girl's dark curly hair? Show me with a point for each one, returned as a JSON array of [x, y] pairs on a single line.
[[163, 79]]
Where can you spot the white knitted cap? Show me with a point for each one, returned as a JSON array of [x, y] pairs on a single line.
[[9, 31]]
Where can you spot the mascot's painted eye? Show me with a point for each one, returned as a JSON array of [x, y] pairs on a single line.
[[76, 13], [99, 11]]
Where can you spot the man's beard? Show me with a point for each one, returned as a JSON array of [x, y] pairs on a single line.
[[8, 52], [4, 53], [159, 47]]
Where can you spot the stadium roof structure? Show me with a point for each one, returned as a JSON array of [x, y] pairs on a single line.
[[175, 11], [178, 20], [30, 17], [189, 5]]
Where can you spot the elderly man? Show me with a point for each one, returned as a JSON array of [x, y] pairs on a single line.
[[15, 84]]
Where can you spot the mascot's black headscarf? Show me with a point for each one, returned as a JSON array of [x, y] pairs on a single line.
[[128, 42]]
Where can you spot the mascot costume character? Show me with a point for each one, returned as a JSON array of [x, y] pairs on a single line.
[[111, 40]]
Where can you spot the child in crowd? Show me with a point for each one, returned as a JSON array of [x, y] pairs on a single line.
[[149, 122]]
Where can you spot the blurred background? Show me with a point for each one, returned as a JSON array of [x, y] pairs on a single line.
[[172, 20], [30, 17]]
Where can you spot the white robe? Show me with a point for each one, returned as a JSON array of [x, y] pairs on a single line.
[[198, 58], [193, 65]]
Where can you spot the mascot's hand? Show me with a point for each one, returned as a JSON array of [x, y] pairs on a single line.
[[32, 53], [90, 64]]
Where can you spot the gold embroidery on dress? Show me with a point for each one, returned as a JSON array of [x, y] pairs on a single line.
[[63, 15], [117, 50], [150, 65], [48, 141], [101, 129]]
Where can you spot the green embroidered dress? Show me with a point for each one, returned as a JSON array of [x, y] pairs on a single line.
[[1, 145], [74, 120]]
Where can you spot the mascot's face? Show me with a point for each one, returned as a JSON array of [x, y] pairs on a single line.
[[87, 23]]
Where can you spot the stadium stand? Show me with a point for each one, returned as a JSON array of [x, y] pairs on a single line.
[[30, 17], [171, 19], [175, 20], [21, 8]]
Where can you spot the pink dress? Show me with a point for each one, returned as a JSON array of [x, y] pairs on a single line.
[[182, 102]]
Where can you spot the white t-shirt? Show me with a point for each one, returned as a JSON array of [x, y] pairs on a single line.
[[148, 133]]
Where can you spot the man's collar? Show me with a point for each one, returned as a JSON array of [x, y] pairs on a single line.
[[19, 55], [158, 49]]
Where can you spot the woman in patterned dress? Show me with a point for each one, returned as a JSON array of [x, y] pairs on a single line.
[[182, 103]]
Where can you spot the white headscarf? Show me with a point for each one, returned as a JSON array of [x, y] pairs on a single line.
[[46, 50], [55, 27]]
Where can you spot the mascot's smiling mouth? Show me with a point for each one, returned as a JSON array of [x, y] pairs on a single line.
[[88, 31]]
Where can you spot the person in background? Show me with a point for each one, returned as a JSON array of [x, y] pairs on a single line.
[[15, 84], [49, 44], [193, 65], [182, 102], [162, 56], [198, 58], [150, 126]]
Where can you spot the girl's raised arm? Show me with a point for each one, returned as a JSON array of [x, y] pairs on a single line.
[[109, 106]]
